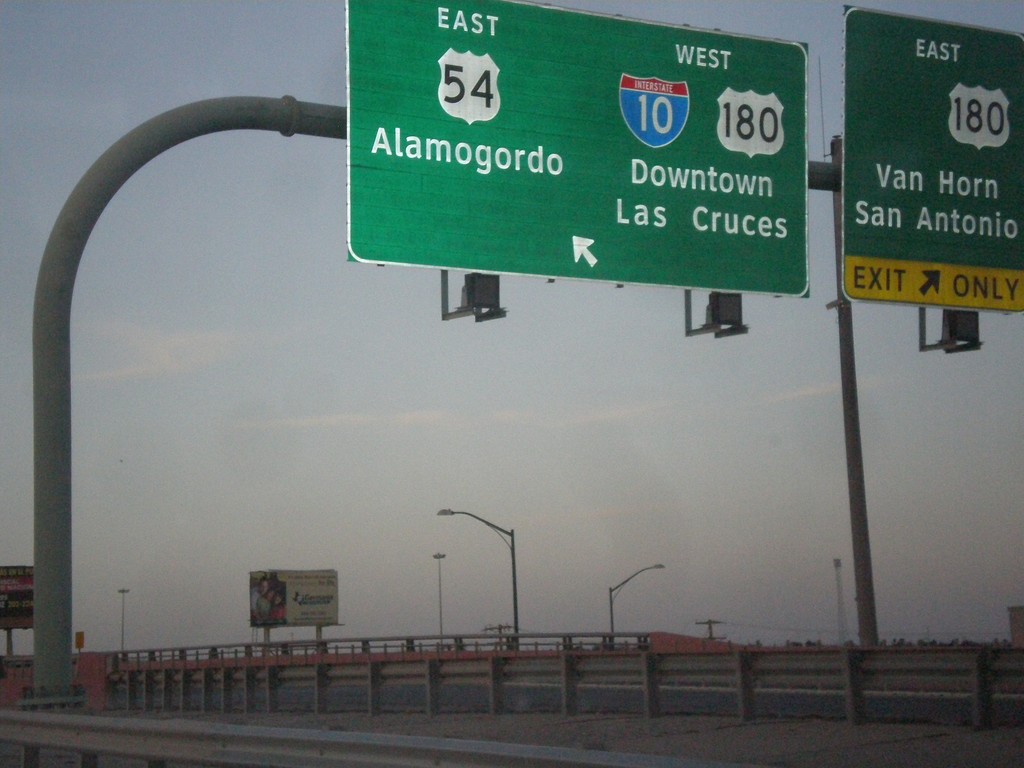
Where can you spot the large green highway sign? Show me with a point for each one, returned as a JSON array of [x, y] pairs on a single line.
[[933, 163], [511, 138]]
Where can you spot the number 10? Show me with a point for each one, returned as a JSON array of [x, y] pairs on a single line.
[[660, 108]]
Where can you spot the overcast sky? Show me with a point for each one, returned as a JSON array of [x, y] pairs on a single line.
[[245, 398]]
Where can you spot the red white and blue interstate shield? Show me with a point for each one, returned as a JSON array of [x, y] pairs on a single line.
[[655, 110]]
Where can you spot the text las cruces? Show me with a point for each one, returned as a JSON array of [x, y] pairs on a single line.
[[704, 180]]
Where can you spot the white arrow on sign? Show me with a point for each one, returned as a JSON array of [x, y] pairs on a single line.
[[581, 247]]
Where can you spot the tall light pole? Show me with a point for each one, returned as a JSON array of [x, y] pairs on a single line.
[[613, 591], [509, 537], [439, 556], [122, 592]]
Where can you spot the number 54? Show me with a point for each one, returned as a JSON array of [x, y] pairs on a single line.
[[469, 86]]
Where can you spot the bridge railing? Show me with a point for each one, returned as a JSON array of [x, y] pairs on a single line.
[[398, 646], [978, 685]]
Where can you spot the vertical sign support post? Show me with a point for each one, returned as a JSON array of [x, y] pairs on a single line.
[[867, 623]]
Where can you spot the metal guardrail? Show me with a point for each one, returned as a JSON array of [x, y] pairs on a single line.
[[233, 746]]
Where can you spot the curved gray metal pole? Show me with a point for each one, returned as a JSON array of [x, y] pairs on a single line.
[[51, 337]]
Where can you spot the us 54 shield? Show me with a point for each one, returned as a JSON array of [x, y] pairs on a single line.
[[469, 86]]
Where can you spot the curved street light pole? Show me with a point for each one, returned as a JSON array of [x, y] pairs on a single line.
[[510, 542], [612, 591]]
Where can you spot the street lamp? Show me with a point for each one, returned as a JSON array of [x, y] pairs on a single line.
[[122, 592], [510, 542], [439, 556], [613, 591]]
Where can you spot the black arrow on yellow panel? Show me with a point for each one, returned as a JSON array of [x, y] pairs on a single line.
[[932, 277]]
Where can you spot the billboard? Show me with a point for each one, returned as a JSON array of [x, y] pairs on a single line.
[[16, 597], [293, 598]]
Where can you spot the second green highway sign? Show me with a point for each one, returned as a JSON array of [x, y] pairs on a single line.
[[511, 138], [933, 163]]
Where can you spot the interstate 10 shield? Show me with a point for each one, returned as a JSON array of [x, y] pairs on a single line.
[[655, 110]]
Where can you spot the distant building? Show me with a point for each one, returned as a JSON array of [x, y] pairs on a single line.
[[1016, 625]]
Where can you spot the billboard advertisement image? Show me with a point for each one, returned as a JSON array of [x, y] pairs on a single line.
[[16, 597], [293, 598]]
